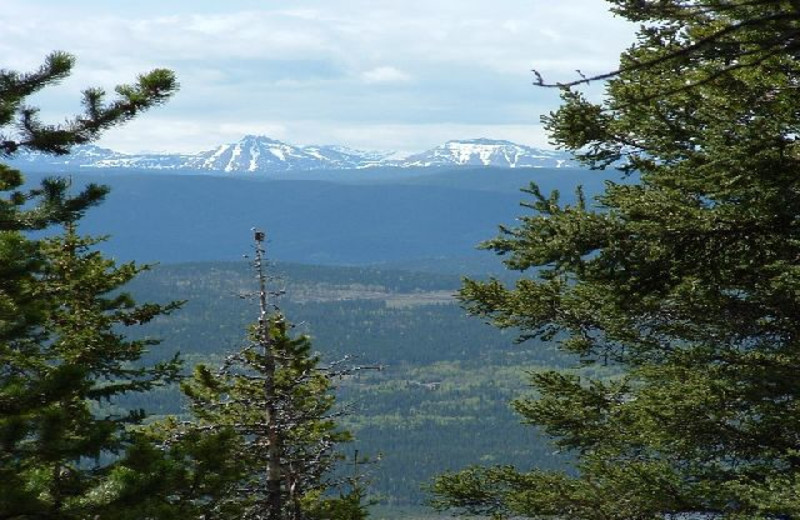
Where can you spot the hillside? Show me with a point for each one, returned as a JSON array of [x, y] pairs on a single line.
[[374, 220]]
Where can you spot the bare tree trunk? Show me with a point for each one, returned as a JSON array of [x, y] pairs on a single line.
[[273, 469]]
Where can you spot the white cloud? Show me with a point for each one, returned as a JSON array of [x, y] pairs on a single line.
[[312, 70], [174, 135], [413, 138], [513, 26], [385, 75]]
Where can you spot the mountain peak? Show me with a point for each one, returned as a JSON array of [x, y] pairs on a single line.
[[481, 141], [252, 138]]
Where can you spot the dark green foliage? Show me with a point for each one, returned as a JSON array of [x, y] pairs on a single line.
[[56, 379], [688, 281], [62, 356], [34, 209], [236, 401], [188, 478], [349, 506], [274, 400]]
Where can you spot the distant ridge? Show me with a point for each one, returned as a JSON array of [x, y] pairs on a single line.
[[255, 154], [488, 152]]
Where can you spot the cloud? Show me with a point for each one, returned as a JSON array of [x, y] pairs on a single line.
[[413, 138], [316, 66], [176, 135], [385, 75]]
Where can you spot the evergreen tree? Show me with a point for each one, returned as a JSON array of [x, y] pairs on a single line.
[[769, 27], [59, 431], [37, 208], [62, 356], [274, 399], [687, 281], [30, 133]]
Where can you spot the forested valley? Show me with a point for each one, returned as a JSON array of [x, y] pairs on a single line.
[[441, 401]]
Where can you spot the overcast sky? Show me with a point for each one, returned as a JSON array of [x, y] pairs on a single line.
[[402, 75]]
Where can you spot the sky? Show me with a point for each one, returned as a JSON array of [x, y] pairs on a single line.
[[369, 74]]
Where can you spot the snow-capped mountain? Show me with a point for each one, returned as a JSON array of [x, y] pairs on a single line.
[[488, 152], [260, 154], [90, 156]]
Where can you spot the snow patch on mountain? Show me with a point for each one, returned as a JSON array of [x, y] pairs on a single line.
[[260, 154], [79, 156], [488, 152]]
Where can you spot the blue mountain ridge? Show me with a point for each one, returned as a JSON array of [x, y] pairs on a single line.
[[178, 218]]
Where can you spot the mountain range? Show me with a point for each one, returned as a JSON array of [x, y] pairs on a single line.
[[260, 154]]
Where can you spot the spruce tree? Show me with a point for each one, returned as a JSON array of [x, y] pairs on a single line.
[[62, 355], [686, 281], [273, 402], [60, 435]]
